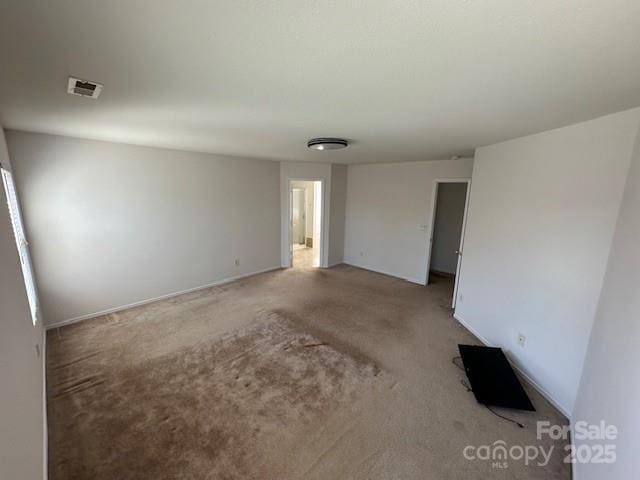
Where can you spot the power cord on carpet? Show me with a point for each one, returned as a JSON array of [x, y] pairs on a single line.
[[503, 417], [469, 389]]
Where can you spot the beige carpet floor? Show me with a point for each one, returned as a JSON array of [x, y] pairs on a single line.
[[323, 374]]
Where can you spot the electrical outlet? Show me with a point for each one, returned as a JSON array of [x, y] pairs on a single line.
[[362, 254], [461, 298], [521, 340], [237, 262]]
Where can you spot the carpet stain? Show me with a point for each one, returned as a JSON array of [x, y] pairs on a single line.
[[202, 412]]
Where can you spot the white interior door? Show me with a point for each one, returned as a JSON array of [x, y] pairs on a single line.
[[297, 216], [460, 250]]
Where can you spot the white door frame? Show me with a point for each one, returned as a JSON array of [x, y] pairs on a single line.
[[322, 215], [434, 201]]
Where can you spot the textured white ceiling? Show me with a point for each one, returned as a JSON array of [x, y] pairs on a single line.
[[405, 80]]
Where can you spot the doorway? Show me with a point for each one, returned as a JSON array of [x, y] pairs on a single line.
[[305, 223], [450, 202]]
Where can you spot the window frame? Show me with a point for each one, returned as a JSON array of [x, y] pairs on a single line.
[[22, 244]]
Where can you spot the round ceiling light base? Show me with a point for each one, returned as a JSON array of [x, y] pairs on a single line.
[[327, 143]]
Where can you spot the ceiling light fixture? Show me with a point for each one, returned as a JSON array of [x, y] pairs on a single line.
[[327, 143]]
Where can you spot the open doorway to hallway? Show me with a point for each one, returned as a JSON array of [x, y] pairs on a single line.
[[450, 201], [306, 223]]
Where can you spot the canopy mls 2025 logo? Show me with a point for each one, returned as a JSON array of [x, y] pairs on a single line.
[[593, 443]]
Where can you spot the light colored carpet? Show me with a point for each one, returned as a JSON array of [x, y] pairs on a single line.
[[323, 374]]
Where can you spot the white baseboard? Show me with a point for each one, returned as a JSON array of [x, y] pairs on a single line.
[[88, 316], [383, 272], [472, 330], [526, 376]]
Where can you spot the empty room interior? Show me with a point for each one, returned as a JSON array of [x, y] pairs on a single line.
[[319, 240]]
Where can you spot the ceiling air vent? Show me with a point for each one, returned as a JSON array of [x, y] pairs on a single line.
[[84, 88]]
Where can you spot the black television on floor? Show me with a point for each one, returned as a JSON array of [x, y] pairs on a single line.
[[492, 379]]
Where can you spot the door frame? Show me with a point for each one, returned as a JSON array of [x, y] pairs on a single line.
[[290, 180], [434, 206]]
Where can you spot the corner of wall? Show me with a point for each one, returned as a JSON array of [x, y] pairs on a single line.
[[24, 405], [45, 423], [338, 204], [612, 356]]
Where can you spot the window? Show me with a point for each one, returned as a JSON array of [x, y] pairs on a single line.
[[21, 242]]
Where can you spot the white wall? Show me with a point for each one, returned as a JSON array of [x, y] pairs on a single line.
[[610, 386], [338, 213], [387, 214], [448, 227], [308, 208], [541, 220], [113, 224], [22, 432]]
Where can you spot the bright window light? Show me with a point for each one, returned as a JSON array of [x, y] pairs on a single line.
[[21, 242]]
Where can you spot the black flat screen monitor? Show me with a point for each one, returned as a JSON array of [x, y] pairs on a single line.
[[492, 379]]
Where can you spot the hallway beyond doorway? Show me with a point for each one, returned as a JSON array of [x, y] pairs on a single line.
[[302, 256], [305, 223]]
